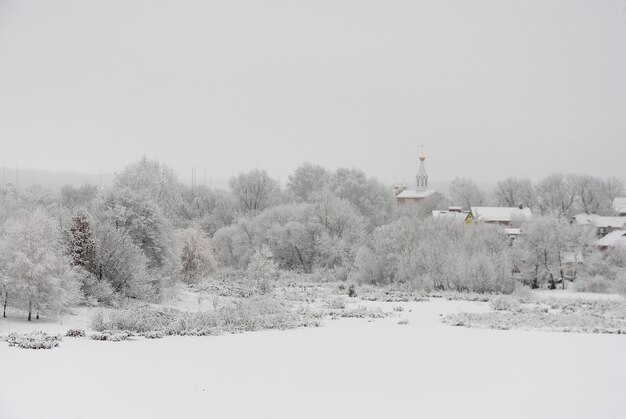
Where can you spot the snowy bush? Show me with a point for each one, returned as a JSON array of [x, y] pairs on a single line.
[[153, 335], [335, 303], [262, 270], [437, 254], [619, 285], [111, 335], [593, 284], [75, 333], [403, 322], [398, 308], [196, 256], [504, 303], [34, 340], [562, 315], [242, 315]]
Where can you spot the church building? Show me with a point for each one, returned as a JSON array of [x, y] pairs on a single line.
[[421, 192]]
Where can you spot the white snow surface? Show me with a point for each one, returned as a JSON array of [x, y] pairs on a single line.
[[349, 368]]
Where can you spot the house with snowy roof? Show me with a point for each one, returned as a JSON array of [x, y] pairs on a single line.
[[619, 205], [613, 239], [504, 216], [421, 192], [453, 215], [602, 223]]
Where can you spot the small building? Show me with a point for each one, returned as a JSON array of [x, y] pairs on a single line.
[[501, 215], [465, 217], [602, 223], [613, 239], [422, 192], [619, 205]]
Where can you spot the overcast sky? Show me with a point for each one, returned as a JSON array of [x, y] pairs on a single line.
[[490, 88]]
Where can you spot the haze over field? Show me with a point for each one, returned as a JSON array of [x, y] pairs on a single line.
[[491, 88]]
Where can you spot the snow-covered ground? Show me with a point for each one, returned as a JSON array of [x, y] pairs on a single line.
[[350, 368]]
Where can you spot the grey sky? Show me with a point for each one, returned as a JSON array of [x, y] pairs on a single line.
[[491, 88]]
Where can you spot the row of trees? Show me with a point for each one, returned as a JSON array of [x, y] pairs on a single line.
[[147, 231], [557, 194]]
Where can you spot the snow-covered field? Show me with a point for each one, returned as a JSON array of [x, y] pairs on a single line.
[[350, 368]]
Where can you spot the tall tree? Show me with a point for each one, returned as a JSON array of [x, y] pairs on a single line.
[[36, 267], [512, 192], [308, 180], [255, 190], [464, 192], [556, 194]]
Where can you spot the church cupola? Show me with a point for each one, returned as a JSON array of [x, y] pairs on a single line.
[[422, 176]]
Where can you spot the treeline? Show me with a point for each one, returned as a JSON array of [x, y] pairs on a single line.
[[148, 231], [558, 194]]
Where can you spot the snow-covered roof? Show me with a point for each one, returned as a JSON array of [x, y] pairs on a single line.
[[501, 214], [619, 204], [601, 221], [614, 238], [450, 215], [513, 231], [412, 194]]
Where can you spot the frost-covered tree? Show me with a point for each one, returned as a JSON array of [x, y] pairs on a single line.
[[548, 246], [38, 278], [512, 192], [437, 254], [308, 180], [591, 194], [371, 198], [73, 198], [234, 245], [120, 262], [81, 242], [464, 192], [154, 182], [208, 208], [196, 256], [142, 219], [614, 187], [323, 234], [4, 291], [262, 270], [556, 194], [255, 190]]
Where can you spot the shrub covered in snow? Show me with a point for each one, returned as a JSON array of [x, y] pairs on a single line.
[[75, 333], [34, 340], [403, 322], [111, 335], [593, 284], [434, 254], [504, 303], [560, 315], [258, 313], [153, 335]]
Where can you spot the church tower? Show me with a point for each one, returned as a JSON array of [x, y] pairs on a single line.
[[422, 176]]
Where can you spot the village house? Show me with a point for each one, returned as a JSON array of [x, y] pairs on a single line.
[[603, 224], [613, 239], [504, 216], [455, 214]]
